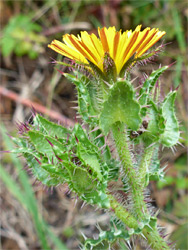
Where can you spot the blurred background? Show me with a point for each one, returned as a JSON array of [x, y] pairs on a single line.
[[31, 216]]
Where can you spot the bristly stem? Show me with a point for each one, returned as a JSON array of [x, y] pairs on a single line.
[[152, 235], [121, 141], [144, 165], [155, 240], [123, 214], [140, 209]]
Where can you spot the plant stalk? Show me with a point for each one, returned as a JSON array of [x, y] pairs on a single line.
[[123, 214], [121, 141], [140, 209], [155, 240], [152, 235]]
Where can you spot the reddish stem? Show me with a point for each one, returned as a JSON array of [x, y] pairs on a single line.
[[38, 107]]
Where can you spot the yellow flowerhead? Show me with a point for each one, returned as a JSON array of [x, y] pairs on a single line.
[[120, 46]]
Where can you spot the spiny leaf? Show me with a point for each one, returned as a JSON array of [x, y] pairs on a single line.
[[48, 145], [155, 124], [155, 172], [27, 150], [82, 181], [82, 138], [51, 128], [39, 173], [86, 108], [117, 231], [40, 143], [95, 91], [89, 153], [59, 149], [87, 186], [120, 106], [171, 133], [56, 171], [148, 86], [99, 141], [106, 239], [153, 127], [91, 159]]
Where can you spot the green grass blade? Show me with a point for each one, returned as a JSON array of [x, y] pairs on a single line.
[[57, 242], [179, 30], [12, 185]]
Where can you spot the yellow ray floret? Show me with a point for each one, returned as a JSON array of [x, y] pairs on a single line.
[[121, 47]]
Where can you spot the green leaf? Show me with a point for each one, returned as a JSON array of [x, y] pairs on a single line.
[[82, 138], [171, 133], [14, 34], [148, 86], [113, 169], [120, 106], [117, 231], [57, 172], [59, 149], [41, 174], [85, 97], [87, 187], [82, 181], [40, 143], [50, 128], [90, 158], [155, 124], [99, 141], [152, 131], [7, 45], [155, 172], [107, 238]]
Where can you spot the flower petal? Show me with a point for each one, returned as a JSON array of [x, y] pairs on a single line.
[[65, 50], [103, 37]]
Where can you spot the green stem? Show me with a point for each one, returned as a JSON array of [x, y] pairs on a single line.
[[152, 235], [140, 209], [144, 165], [121, 140], [155, 240], [123, 214]]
